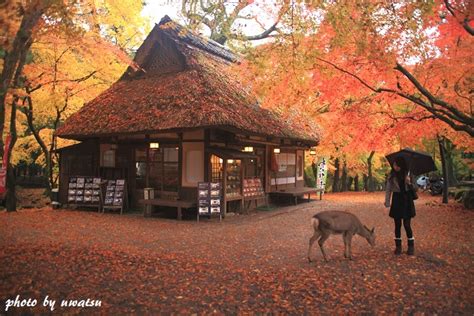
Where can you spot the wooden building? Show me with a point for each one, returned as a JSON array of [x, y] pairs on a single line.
[[179, 118]]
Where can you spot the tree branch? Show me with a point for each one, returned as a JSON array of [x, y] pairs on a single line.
[[407, 117], [461, 116], [81, 79], [262, 35], [464, 22], [452, 118]]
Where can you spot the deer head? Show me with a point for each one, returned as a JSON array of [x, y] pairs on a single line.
[[370, 235]]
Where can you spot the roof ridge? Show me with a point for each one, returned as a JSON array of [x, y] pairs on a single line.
[[196, 40]]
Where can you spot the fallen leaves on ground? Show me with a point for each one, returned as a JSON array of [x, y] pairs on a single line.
[[246, 264]]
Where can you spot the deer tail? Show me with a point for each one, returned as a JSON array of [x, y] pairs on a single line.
[[314, 222]]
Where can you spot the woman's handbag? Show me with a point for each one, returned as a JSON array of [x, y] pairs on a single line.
[[412, 191], [411, 188]]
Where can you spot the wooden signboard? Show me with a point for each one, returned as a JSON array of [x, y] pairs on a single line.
[[84, 191], [209, 199], [321, 174], [115, 195]]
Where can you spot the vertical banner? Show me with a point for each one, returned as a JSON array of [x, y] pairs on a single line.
[[3, 169], [322, 172]]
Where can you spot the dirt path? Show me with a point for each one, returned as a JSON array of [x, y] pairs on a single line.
[[255, 263]]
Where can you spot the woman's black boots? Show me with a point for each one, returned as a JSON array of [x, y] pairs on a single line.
[[398, 246], [411, 246]]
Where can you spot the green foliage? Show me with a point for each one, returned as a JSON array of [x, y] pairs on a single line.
[[309, 178]]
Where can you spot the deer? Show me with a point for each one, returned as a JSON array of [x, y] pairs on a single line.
[[338, 222]]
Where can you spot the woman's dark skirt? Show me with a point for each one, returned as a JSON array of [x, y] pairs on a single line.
[[402, 206]]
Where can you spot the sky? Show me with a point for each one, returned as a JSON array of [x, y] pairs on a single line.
[[156, 9], [263, 9]]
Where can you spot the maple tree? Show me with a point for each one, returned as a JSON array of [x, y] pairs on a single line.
[[420, 52], [74, 32], [383, 71]]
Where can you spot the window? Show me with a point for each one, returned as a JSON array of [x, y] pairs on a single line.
[[170, 169], [216, 169], [155, 176], [108, 158], [163, 169], [286, 169], [140, 168]]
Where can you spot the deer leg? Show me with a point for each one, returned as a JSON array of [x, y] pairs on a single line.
[[347, 238], [321, 241], [315, 236], [346, 245], [349, 246]]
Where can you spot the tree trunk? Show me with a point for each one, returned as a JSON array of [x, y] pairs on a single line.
[[13, 58], [350, 180], [335, 183], [11, 183], [370, 177], [442, 151], [344, 177], [356, 183], [366, 183], [11, 179], [449, 151], [28, 111]]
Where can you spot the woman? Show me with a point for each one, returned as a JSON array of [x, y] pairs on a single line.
[[402, 208]]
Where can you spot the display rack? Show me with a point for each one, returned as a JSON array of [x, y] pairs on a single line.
[[233, 180], [253, 191], [115, 195], [84, 192], [209, 199]]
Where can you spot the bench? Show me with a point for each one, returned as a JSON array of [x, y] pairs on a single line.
[[179, 204], [296, 192]]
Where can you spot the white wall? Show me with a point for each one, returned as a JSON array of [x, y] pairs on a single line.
[[193, 164]]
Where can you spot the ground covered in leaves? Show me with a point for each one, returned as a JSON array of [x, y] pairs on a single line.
[[246, 264]]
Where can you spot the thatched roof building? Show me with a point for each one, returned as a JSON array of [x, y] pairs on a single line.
[[178, 117], [187, 85]]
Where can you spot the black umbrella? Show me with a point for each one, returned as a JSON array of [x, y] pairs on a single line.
[[418, 162]]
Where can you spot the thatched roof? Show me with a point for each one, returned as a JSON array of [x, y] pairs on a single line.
[[183, 82]]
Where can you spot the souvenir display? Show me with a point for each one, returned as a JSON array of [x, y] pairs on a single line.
[[114, 193], [209, 198], [253, 188], [84, 191], [233, 181]]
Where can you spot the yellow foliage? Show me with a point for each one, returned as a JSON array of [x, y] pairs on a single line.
[[73, 62]]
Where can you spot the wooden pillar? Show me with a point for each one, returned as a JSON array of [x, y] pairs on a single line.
[[296, 168], [266, 169], [242, 185], [180, 164], [207, 159], [224, 186], [96, 166], [147, 161]]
